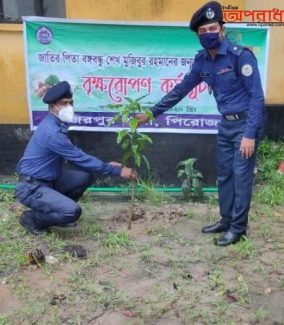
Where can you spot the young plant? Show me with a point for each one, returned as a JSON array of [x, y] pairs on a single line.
[[131, 141], [191, 178]]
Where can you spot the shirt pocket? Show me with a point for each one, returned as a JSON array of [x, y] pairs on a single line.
[[227, 80]]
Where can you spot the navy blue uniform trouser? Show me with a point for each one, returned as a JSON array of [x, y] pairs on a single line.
[[235, 176], [54, 203]]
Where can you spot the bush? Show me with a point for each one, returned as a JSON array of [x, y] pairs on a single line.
[[270, 181]]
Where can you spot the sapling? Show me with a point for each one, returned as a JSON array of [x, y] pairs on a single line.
[[191, 178], [131, 140]]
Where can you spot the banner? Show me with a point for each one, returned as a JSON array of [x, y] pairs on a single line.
[[105, 62]]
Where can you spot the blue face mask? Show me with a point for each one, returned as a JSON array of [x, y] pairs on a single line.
[[209, 40]]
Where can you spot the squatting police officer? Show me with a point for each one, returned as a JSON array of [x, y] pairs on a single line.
[[44, 186], [232, 75]]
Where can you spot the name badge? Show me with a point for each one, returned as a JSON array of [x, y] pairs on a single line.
[[225, 70]]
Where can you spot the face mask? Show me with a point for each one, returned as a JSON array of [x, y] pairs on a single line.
[[66, 114], [209, 40]]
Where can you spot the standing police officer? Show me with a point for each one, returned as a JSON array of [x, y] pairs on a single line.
[[232, 74], [44, 186]]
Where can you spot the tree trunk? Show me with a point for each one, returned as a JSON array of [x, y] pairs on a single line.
[[133, 184]]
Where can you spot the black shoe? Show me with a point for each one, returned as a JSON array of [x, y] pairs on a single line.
[[27, 221], [229, 238], [216, 227], [68, 225]]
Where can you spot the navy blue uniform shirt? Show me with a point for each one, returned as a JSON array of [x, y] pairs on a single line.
[[234, 79], [50, 147]]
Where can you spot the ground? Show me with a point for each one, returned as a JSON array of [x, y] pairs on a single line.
[[162, 271]]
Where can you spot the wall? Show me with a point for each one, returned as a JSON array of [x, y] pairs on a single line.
[[13, 101], [153, 10], [275, 81]]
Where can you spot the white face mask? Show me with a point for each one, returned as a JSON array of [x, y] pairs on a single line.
[[66, 114]]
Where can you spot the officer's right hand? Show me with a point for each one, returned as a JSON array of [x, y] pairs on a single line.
[[142, 118], [128, 173]]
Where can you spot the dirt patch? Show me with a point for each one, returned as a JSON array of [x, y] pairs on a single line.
[[37, 280], [168, 213], [110, 318], [163, 271], [8, 301], [273, 303]]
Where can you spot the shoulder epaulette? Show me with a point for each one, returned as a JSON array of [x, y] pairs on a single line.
[[235, 49], [238, 49], [200, 54]]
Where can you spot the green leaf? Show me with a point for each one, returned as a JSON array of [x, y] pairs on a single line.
[[134, 148], [114, 106], [133, 124], [146, 161], [125, 144], [124, 118], [180, 164], [113, 120], [139, 98], [130, 100], [121, 135], [198, 175], [149, 114], [141, 145], [137, 159], [126, 157], [181, 173], [146, 138]]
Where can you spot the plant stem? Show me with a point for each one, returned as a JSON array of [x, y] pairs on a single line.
[[133, 185]]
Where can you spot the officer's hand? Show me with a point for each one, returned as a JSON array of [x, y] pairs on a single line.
[[115, 164], [247, 147], [128, 173], [142, 118]]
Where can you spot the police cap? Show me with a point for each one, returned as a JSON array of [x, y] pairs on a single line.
[[57, 92], [208, 13]]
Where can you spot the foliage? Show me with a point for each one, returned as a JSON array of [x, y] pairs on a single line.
[[269, 156], [272, 192], [271, 183], [131, 141], [7, 196], [191, 179]]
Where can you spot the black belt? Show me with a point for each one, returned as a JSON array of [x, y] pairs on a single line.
[[31, 179], [235, 117]]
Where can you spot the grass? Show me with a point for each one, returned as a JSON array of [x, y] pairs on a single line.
[[145, 253], [117, 241], [270, 184], [149, 193], [157, 274], [4, 320], [265, 231], [245, 248], [260, 315], [243, 291], [216, 278]]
